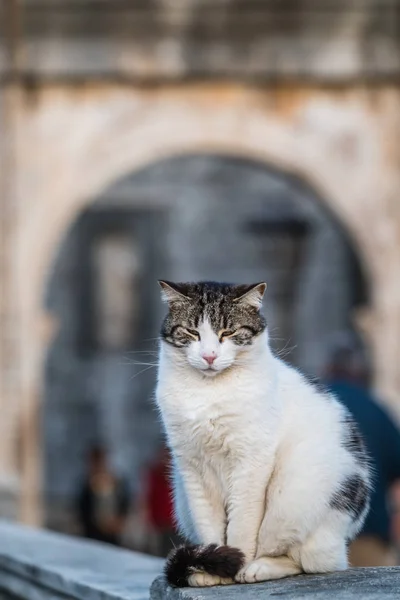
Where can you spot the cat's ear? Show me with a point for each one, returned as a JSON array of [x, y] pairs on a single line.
[[252, 295], [173, 292]]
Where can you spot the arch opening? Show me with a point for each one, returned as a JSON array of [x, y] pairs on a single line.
[[197, 216]]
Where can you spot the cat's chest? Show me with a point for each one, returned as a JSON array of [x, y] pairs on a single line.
[[213, 432], [206, 421]]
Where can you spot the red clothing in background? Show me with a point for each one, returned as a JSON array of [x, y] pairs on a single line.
[[159, 502]]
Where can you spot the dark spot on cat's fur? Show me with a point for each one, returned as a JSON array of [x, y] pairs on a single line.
[[317, 384], [353, 494], [216, 302], [353, 441], [351, 497], [182, 562]]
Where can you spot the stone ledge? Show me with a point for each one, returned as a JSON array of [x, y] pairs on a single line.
[[366, 584], [40, 565]]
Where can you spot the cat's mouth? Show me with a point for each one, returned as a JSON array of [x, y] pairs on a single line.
[[210, 372]]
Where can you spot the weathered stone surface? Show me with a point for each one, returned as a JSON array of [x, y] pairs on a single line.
[[342, 139], [343, 142], [232, 38], [39, 565], [368, 584]]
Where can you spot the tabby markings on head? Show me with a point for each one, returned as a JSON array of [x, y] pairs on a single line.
[[232, 311]]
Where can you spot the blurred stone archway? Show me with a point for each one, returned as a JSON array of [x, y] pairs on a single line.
[[126, 129]]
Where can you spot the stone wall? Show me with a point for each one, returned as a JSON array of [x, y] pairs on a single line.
[[9, 347], [342, 143], [84, 102], [197, 38]]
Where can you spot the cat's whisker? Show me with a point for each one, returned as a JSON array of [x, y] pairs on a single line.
[[139, 364], [140, 360], [155, 352], [286, 350], [272, 330], [142, 371]]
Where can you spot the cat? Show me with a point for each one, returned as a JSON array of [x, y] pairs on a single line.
[[271, 477]]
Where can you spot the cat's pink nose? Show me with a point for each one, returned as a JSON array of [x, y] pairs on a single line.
[[210, 357]]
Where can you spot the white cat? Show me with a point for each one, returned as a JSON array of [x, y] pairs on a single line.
[[264, 461]]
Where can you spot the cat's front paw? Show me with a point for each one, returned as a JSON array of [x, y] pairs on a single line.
[[200, 579], [251, 573], [267, 568]]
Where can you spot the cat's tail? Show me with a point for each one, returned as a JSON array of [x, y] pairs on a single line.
[[182, 562]]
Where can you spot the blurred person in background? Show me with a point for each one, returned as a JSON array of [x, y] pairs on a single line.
[[159, 505], [347, 376], [103, 500]]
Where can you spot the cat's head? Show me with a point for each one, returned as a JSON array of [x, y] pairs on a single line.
[[212, 324]]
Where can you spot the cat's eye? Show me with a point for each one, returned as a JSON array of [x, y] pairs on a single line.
[[193, 333], [226, 334]]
